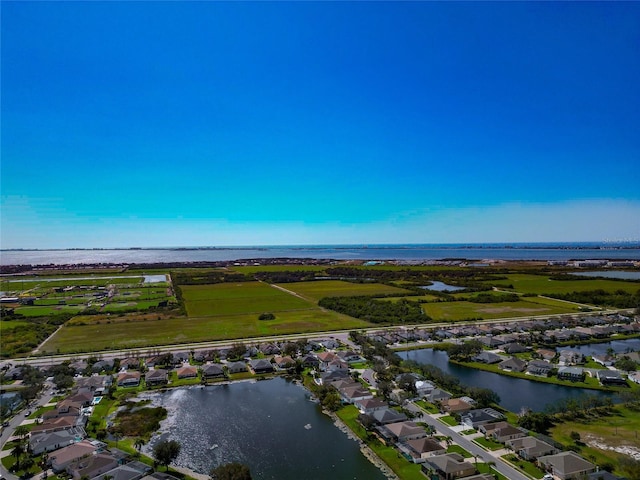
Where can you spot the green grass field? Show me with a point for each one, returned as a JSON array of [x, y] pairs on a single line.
[[337, 288], [455, 311], [524, 283], [122, 334], [238, 298]]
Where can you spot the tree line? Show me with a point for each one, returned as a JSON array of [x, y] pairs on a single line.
[[376, 311]]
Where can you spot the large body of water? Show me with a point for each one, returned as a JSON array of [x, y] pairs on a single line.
[[268, 425], [536, 251], [515, 393]]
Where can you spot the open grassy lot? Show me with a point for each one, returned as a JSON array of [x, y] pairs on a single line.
[[118, 333], [337, 288], [601, 436], [524, 283], [468, 310], [237, 298], [251, 269]]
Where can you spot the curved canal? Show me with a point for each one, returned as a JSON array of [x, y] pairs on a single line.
[[515, 393]]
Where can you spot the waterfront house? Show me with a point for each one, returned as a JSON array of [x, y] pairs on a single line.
[[370, 405], [187, 371], [283, 362], [212, 370], [422, 448], [611, 377], [513, 364], [401, 431], [128, 379], [157, 376], [604, 360], [310, 361], [60, 459], [540, 368], [260, 365], [350, 394], [487, 357], [388, 415], [236, 367], [570, 357], [449, 466], [480, 416], [566, 465], [455, 405], [130, 471], [506, 432], [48, 442], [437, 395], [530, 448], [91, 466], [575, 374], [546, 354]]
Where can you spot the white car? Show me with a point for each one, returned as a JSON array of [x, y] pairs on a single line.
[[548, 476]]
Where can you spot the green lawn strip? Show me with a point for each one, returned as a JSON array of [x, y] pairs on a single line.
[[399, 464], [551, 302], [458, 449], [542, 284], [589, 381], [595, 365], [428, 407], [448, 420], [529, 468], [488, 444], [471, 431], [486, 468]]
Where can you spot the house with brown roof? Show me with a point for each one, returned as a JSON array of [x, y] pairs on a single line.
[[62, 458], [213, 370], [128, 379], [402, 431], [283, 362], [91, 466], [455, 405], [188, 371], [422, 448], [353, 393], [507, 432], [370, 405], [55, 425], [566, 465], [156, 376], [449, 466]]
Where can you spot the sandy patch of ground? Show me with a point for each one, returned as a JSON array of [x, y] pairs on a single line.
[[599, 443]]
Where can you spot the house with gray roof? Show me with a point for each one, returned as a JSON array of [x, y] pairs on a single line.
[[480, 416], [48, 442], [487, 357], [420, 449], [611, 377], [540, 368], [260, 365], [157, 376], [575, 374], [401, 431], [529, 448], [91, 466], [513, 364], [130, 471], [213, 370], [388, 415], [566, 465], [236, 367]]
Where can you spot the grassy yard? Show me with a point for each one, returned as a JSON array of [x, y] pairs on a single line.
[[337, 288], [527, 467], [488, 444], [448, 420], [600, 435], [464, 310]]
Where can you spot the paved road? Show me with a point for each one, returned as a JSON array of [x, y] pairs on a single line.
[[7, 432], [483, 455]]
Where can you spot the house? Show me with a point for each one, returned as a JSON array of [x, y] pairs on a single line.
[[604, 360], [530, 448], [157, 376], [480, 416], [513, 364], [449, 466], [370, 405], [269, 349], [349, 356], [95, 383], [388, 415], [575, 374], [566, 465], [437, 395], [91, 466], [180, 358], [487, 357], [491, 342], [101, 365], [421, 448], [401, 431], [326, 378], [284, 362], [130, 471], [260, 365], [540, 368], [130, 363], [570, 357], [455, 405], [546, 354], [514, 347], [350, 394], [507, 432], [236, 367], [188, 371], [58, 424], [60, 459], [325, 358], [128, 379], [611, 377], [213, 370], [48, 442], [310, 361]]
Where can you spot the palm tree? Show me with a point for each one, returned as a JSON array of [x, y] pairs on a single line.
[[18, 451], [138, 443], [21, 431]]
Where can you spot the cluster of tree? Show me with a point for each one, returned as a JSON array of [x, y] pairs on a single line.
[[166, 451], [286, 276], [579, 405], [494, 298], [617, 299], [539, 422], [137, 421], [267, 316], [327, 396], [376, 311], [23, 338], [464, 352], [231, 471], [626, 364]]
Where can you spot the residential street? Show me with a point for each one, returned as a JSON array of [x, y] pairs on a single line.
[[483, 455]]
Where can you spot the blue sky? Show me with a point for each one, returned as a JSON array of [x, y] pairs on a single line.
[[205, 123]]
